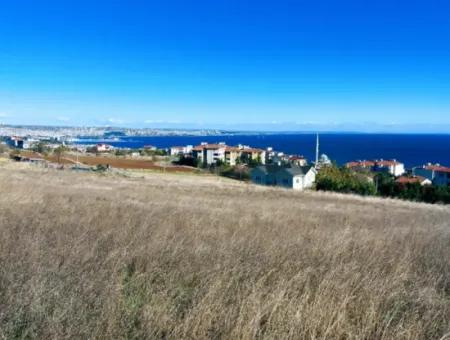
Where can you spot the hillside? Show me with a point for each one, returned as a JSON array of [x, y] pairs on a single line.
[[182, 256]]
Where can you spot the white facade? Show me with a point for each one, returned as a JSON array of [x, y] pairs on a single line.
[[397, 169], [212, 155], [297, 178], [103, 147]]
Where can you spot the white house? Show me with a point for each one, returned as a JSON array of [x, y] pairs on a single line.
[[180, 150], [103, 147], [392, 166], [293, 177]]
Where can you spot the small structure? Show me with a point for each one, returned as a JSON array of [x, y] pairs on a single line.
[[436, 173], [103, 147], [15, 142], [181, 150], [291, 176], [298, 160], [404, 180]]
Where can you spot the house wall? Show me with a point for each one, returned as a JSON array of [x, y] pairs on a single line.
[[423, 173], [213, 155], [441, 178], [258, 177], [284, 179], [231, 157], [309, 179], [398, 170], [304, 182]]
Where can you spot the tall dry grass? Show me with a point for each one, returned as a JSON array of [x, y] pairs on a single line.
[[172, 257]]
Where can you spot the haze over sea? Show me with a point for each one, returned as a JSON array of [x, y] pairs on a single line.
[[411, 149]]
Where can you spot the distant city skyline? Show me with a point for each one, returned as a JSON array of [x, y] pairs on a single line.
[[237, 65]]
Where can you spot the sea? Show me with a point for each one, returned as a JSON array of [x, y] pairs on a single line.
[[411, 149]]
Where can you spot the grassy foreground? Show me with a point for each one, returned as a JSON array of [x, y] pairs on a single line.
[[171, 257]]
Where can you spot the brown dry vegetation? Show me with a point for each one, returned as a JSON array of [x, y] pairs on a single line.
[[171, 257]]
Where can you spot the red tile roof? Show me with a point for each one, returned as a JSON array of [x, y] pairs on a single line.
[[296, 158], [209, 146], [407, 180], [437, 168], [387, 163], [252, 150], [369, 164], [232, 149], [363, 164]]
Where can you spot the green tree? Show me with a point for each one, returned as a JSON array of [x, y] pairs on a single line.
[[337, 179], [59, 152]]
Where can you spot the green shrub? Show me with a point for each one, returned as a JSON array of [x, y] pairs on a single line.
[[343, 180]]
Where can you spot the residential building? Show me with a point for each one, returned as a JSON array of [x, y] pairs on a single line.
[[298, 160], [197, 153], [232, 155], [15, 142], [437, 174], [291, 176], [361, 165], [214, 153], [392, 167], [248, 154], [180, 150], [412, 180], [103, 147], [210, 154]]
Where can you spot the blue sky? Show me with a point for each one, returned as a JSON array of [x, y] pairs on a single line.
[[272, 65]]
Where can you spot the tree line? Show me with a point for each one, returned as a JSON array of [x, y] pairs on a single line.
[[341, 179]]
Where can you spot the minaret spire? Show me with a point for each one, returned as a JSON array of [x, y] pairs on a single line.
[[317, 151]]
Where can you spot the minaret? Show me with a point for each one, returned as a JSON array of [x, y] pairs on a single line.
[[317, 151]]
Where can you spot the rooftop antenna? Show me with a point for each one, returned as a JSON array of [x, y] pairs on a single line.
[[317, 151]]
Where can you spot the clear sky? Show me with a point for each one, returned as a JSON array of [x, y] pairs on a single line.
[[273, 65]]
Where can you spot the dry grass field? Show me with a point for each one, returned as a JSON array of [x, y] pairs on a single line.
[[189, 257]]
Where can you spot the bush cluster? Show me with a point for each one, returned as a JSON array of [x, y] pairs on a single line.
[[343, 180], [347, 181]]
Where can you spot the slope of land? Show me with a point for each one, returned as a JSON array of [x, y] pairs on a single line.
[[169, 256]]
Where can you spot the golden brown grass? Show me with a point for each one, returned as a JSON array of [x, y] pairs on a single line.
[[171, 257]]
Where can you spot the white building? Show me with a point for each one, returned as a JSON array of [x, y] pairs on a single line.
[[293, 177], [392, 167], [103, 147]]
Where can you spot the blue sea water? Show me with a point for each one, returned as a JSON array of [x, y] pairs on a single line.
[[411, 149]]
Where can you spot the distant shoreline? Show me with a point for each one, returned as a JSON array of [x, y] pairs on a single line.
[[98, 132]]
